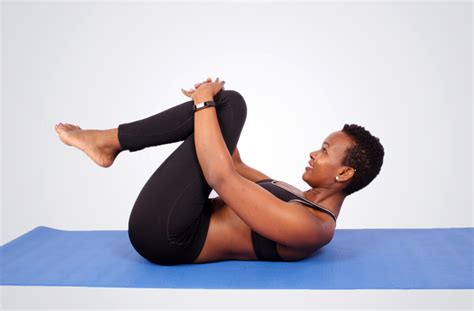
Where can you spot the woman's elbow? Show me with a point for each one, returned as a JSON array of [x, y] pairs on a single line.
[[218, 179]]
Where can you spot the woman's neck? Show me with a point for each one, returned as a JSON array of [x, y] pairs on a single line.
[[328, 199]]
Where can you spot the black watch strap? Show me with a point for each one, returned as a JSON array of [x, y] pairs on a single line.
[[206, 104]]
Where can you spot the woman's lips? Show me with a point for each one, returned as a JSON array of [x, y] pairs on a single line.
[[309, 168]]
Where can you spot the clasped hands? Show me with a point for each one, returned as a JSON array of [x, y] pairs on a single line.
[[205, 90]]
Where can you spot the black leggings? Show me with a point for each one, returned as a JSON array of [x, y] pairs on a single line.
[[169, 221]]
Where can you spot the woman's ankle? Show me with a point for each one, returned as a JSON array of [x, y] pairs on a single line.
[[109, 139]]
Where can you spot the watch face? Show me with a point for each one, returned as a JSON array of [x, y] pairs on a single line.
[[204, 105]]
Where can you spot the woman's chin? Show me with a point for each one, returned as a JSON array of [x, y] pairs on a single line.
[[306, 173]]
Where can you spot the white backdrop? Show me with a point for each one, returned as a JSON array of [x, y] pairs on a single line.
[[402, 70]]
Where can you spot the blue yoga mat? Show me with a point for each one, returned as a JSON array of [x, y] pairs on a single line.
[[440, 258]]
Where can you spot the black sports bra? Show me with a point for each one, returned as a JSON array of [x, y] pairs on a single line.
[[264, 248]]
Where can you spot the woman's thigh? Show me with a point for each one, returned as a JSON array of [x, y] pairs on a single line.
[[169, 221]]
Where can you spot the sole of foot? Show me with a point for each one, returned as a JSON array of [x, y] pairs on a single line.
[[87, 141]]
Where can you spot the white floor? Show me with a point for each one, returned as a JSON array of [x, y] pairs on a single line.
[[87, 298]]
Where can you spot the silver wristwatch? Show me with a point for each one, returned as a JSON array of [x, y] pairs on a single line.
[[209, 103]]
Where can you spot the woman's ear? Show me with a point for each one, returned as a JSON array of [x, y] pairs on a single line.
[[350, 172]]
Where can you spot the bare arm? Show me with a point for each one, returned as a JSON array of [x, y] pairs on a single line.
[[287, 223], [246, 171], [214, 157], [212, 153]]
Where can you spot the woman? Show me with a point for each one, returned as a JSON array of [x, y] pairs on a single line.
[[255, 217]]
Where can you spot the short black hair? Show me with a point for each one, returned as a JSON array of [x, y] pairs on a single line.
[[366, 156]]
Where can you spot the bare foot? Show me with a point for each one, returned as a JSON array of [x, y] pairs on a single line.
[[88, 141]]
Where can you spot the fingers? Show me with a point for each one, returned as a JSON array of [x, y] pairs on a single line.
[[197, 85], [200, 83], [188, 93]]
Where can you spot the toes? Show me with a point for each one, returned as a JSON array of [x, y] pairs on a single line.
[[76, 126], [66, 126], [59, 127], [73, 126], [69, 126]]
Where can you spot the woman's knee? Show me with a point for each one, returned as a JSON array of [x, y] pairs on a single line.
[[226, 96], [236, 101]]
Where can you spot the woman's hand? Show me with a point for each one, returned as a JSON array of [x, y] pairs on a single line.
[[204, 90], [215, 91], [198, 84]]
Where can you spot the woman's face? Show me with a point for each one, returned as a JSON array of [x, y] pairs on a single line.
[[326, 162]]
